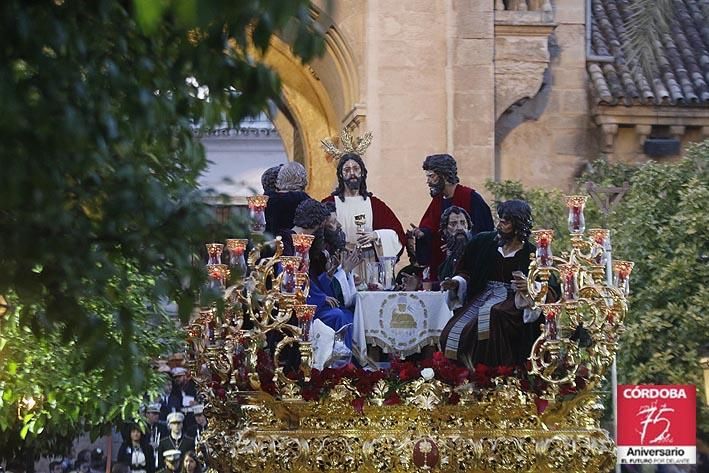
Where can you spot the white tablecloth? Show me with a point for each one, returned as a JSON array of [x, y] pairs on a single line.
[[398, 322]]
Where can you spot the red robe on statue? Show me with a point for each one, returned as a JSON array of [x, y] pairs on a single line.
[[383, 218], [428, 248]]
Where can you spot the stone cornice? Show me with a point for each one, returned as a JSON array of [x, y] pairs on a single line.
[[524, 23], [517, 29], [644, 115]]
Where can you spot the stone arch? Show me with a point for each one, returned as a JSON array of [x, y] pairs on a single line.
[[320, 98]]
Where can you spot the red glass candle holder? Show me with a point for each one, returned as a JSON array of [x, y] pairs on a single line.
[[621, 275], [288, 275], [569, 281], [301, 244], [218, 275], [237, 248], [257, 212], [602, 244], [214, 253], [552, 314], [304, 313], [576, 221], [543, 239]]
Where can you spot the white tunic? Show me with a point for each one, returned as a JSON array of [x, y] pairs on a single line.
[[357, 206]]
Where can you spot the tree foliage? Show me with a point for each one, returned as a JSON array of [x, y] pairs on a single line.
[[661, 224], [47, 396], [99, 207]]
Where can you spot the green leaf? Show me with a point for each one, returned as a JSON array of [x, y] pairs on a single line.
[[149, 12]]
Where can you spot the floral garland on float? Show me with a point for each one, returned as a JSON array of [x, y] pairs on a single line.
[[430, 415]]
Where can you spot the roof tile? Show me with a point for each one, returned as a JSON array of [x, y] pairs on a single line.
[[682, 74]]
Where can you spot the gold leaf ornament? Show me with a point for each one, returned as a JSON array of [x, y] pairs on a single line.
[[350, 144]]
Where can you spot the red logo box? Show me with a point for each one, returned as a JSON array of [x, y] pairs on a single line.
[[657, 424]]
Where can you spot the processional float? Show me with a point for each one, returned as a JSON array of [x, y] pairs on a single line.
[[439, 417]]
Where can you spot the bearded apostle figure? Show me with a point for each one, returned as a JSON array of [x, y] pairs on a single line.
[[444, 186], [494, 323], [455, 232], [368, 222]]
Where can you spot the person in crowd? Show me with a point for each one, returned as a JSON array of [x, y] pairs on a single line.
[[184, 390], [120, 467], [56, 467], [367, 221], [269, 178], [494, 322], [82, 466], [455, 231], [171, 461], [200, 422], [190, 464], [90, 460], [136, 451], [156, 431], [444, 186], [290, 191], [176, 440]]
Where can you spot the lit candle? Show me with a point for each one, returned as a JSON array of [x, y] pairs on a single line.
[[218, 275]]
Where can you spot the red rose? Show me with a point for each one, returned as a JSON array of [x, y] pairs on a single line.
[[504, 370], [311, 393], [462, 376], [409, 372], [392, 399], [349, 370], [541, 404], [580, 383], [482, 370], [358, 405], [439, 357], [481, 380]]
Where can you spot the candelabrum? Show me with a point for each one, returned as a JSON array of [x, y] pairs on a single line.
[[265, 307], [582, 307]]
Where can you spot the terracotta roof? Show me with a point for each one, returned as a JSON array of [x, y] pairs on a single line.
[[682, 77]]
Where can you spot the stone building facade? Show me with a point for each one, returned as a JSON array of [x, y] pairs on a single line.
[[530, 90]]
